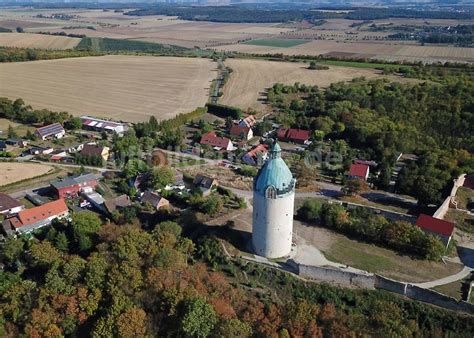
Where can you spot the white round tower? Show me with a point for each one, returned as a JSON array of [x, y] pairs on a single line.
[[273, 204]]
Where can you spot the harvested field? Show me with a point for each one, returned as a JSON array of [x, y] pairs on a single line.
[[375, 50], [250, 79], [38, 41], [159, 29], [128, 88], [283, 43], [13, 172]]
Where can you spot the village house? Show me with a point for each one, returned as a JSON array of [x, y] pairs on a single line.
[[359, 171], [437, 227], [248, 121], [9, 205], [54, 130], [217, 142], [257, 155], [37, 150], [157, 202], [17, 142], [28, 220], [205, 184], [92, 149], [242, 132], [294, 135], [72, 186], [99, 125]]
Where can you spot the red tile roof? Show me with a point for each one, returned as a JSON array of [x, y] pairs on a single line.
[[359, 170], [237, 130], [249, 121], [261, 148], [435, 225], [297, 135], [215, 141], [469, 182], [42, 212]]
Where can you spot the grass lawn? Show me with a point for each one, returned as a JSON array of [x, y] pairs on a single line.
[[386, 262], [462, 220], [462, 197], [281, 43], [452, 289], [20, 129]]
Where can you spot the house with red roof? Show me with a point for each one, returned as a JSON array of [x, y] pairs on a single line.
[[294, 135], [360, 171], [217, 142], [257, 155], [31, 219], [242, 132], [248, 121], [72, 186], [435, 226]]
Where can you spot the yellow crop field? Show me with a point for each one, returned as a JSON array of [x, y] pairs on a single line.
[[38, 41], [128, 88]]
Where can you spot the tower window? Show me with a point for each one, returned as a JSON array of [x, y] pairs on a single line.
[[270, 192]]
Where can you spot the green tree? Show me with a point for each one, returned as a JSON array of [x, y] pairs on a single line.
[[233, 328], [12, 249], [11, 132], [199, 318], [74, 123], [19, 29], [84, 225], [161, 176], [61, 242]]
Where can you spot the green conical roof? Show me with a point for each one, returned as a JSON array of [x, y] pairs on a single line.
[[274, 173]]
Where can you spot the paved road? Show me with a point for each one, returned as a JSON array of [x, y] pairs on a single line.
[[446, 280]]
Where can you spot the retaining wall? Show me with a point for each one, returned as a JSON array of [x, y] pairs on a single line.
[[443, 209], [372, 281], [339, 277]]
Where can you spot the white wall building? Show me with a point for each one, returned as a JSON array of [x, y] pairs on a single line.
[[273, 205]]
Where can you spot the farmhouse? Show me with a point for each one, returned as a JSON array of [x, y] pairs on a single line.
[[72, 186], [242, 132], [217, 142], [257, 155], [37, 150], [294, 135], [99, 125], [9, 205], [435, 226], [37, 217], [155, 200], [92, 149], [360, 171], [205, 183], [54, 130], [248, 121]]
